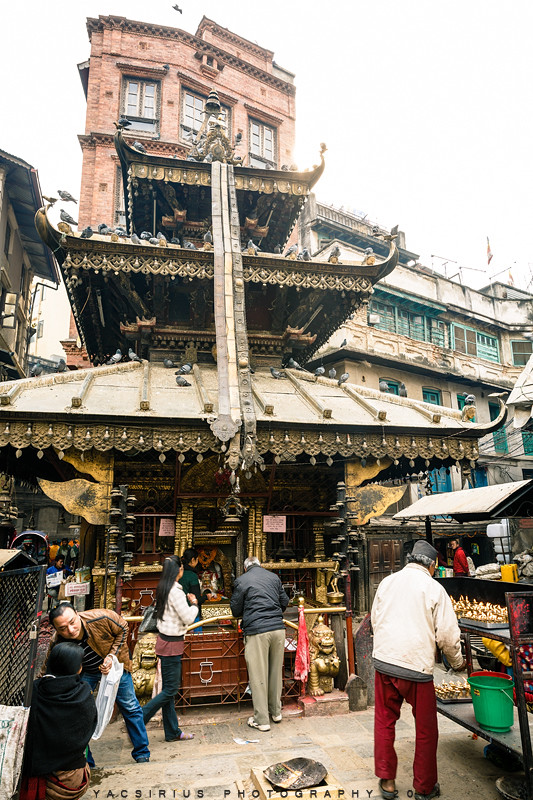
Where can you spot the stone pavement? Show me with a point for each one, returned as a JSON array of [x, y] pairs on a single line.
[[213, 766]]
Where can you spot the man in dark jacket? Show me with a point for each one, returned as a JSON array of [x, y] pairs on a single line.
[[259, 598]]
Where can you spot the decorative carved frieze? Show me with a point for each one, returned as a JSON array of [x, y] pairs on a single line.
[[284, 444]]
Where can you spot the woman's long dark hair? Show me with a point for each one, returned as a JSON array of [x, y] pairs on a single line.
[[171, 569], [64, 659]]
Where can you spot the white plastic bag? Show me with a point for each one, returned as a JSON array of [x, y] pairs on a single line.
[[107, 693]]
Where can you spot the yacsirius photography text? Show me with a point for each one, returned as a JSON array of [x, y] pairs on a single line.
[[231, 794]]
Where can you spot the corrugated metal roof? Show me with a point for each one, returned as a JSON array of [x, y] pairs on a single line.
[[482, 503]]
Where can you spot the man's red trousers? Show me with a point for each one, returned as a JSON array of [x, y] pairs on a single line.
[[390, 694]]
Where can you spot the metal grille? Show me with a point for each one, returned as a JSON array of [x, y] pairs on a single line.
[[21, 598]]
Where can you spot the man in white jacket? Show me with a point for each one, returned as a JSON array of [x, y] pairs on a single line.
[[411, 614]]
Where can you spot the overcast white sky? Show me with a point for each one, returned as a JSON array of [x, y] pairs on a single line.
[[424, 106]]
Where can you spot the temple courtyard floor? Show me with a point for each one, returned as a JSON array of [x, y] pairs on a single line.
[[217, 764]]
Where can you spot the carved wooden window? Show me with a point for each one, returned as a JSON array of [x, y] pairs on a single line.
[[141, 104], [522, 351], [262, 144]]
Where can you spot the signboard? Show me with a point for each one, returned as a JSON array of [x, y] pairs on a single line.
[[54, 579], [274, 524], [167, 526], [73, 588]]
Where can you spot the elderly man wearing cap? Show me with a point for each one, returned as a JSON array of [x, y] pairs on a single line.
[[411, 614]]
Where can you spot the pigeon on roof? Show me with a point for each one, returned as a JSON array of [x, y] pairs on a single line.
[[343, 378], [276, 373], [181, 381], [139, 147], [293, 249], [116, 357], [132, 355], [332, 373]]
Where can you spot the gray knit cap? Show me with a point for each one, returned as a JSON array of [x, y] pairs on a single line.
[[424, 548]]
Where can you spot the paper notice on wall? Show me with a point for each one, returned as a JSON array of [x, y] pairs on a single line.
[[167, 526], [274, 524]]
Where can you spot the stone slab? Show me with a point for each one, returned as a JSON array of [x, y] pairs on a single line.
[[335, 702]]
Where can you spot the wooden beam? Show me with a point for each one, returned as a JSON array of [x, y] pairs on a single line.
[[312, 401], [205, 400], [78, 399]]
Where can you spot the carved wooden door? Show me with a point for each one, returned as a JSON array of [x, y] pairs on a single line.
[[384, 557]]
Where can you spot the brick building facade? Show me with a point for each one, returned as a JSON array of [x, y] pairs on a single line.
[[159, 78]]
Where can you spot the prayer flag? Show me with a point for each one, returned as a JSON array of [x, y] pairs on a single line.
[[510, 279], [301, 661], [489, 253]]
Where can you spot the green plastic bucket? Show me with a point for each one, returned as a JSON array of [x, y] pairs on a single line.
[[492, 696]]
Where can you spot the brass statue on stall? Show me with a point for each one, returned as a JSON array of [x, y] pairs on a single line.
[[325, 662], [143, 667]]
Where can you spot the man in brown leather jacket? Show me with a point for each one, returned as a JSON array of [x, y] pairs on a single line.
[[102, 634]]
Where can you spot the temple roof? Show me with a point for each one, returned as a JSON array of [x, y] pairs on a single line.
[[140, 407], [521, 398]]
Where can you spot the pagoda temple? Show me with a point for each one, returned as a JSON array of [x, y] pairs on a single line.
[[199, 318]]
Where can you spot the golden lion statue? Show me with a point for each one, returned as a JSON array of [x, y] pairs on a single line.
[[143, 667], [324, 660]]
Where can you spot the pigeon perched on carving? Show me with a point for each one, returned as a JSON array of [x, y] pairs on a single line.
[[343, 378], [383, 386], [123, 122], [320, 371], [402, 390], [36, 370], [67, 218], [334, 255], [61, 365], [86, 232], [332, 373], [139, 147], [181, 381]]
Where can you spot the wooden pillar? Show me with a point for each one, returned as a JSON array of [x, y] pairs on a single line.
[[318, 535], [260, 538], [184, 528], [250, 544]]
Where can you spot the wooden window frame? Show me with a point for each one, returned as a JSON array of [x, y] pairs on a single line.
[[436, 392], [515, 353], [140, 121], [260, 156]]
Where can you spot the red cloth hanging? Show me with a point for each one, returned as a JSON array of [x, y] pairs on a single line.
[[301, 661]]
